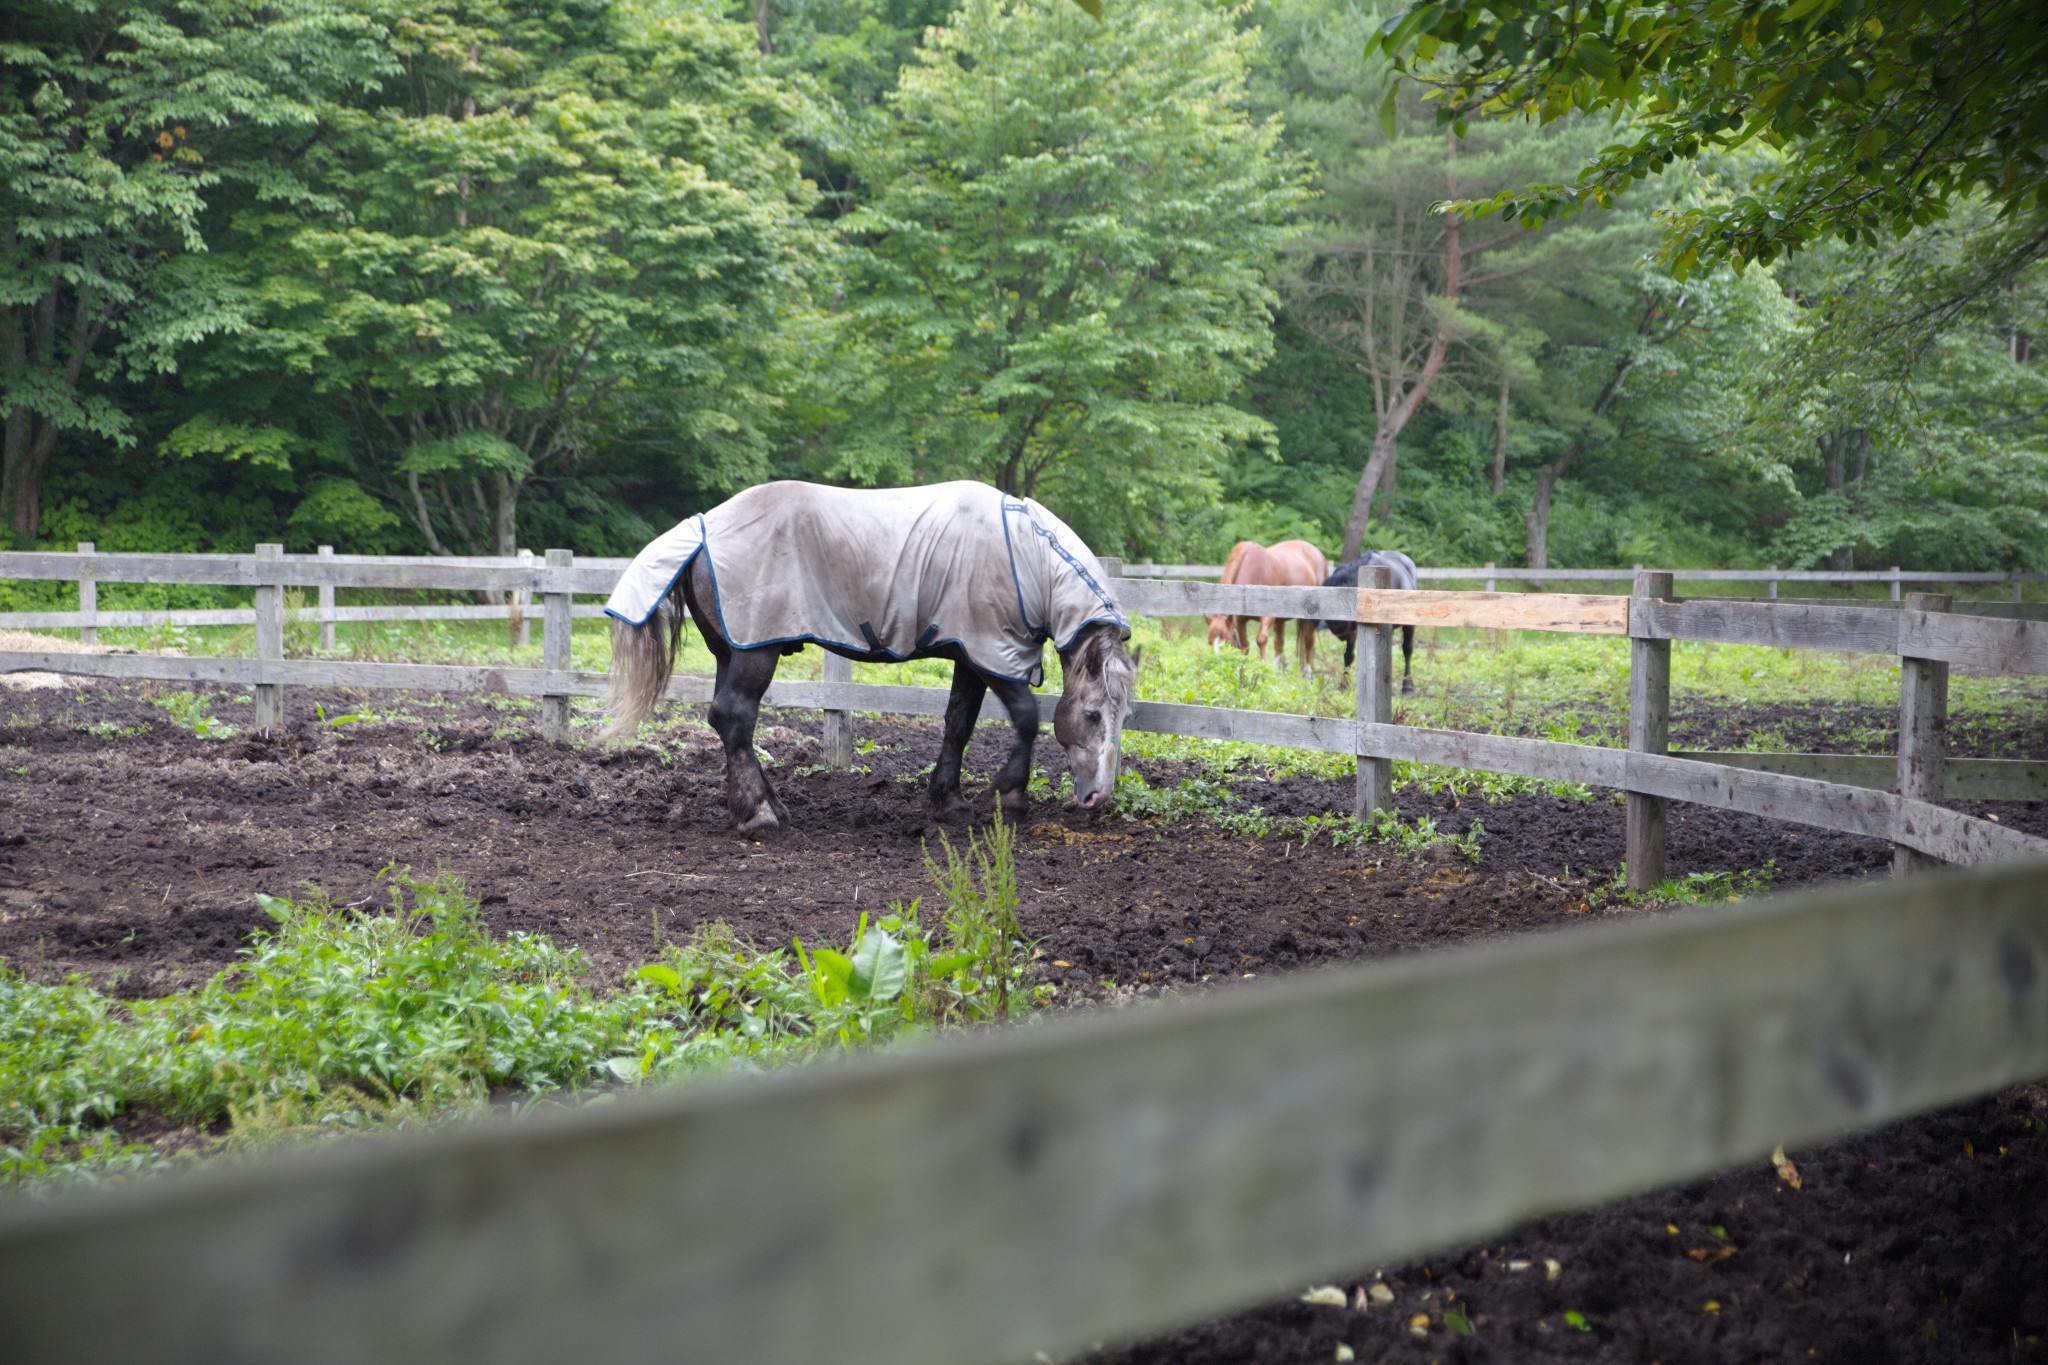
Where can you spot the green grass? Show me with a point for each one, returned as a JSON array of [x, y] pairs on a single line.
[[340, 1022]]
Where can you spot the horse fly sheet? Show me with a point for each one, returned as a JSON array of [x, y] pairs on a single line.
[[888, 572]]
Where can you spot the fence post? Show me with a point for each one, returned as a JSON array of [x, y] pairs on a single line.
[[1489, 575], [1649, 732], [1895, 582], [327, 605], [1923, 732], [269, 637], [556, 620], [2016, 585], [1772, 592], [88, 599], [837, 740], [1375, 683], [522, 604]]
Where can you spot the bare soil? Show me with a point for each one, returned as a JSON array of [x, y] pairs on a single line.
[[131, 849]]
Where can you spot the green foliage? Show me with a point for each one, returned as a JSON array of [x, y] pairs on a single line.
[[188, 711], [118, 122], [338, 1021], [1694, 888], [1060, 274], [1879, 113]]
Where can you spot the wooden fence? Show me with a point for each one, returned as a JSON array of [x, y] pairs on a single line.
[[1106, 1176], [1493, 574], [1920, 631], [1093, 1178]]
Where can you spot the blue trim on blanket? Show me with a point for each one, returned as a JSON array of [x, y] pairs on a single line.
[[1004, 508], [662, 596]]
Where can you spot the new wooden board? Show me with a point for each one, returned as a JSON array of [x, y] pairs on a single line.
[[1096, 1177], [1580, 613]]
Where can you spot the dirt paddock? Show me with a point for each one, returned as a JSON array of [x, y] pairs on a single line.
[[131, 849]]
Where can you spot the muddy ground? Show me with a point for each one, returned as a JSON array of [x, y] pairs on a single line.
[[131, 849]]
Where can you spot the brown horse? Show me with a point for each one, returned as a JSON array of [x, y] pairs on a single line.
[[1291, 563]]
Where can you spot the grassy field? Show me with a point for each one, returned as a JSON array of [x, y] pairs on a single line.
[[1550, 685]]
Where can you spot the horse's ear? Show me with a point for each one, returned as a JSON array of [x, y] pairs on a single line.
[[1137, 658]]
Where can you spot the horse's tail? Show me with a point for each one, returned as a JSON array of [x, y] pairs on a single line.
[[643, 657]]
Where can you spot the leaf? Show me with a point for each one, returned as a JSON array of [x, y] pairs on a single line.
[[626, 1069], [880, 967], [1787, 1172], [1389, 124], [1325, 1296], [1459, 1324], [470, 452], [1093, 7], [831, 976], [668, 978], [1576, 1320], [279, 910]]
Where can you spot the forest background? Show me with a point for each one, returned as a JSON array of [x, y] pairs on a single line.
[[431, 277]]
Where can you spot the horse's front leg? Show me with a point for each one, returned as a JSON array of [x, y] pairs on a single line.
[[1407, 655], [963, 709], [1013, 783], [735, 708], [1305, 642]]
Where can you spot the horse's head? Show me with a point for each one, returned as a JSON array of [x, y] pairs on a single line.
[[1095, 700], [1220, 633]]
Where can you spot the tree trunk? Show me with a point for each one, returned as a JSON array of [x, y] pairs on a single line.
[[1500, 440], [1386, 507], [761, 26], [505, 515], [1538, 522]]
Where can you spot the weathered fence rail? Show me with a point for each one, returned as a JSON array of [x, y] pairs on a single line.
[[1093, 1178], [1919, 632], [1489, 574]]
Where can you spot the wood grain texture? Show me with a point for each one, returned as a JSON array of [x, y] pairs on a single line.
[[1982, 644], [1159, 597], [1373, 704], [1963, 779], [837, 735], [2022, 611], [88, 601], [1578, 613], [1923, 732], [1092, 1178], [1649, 732], [556, 621], [268, 712]]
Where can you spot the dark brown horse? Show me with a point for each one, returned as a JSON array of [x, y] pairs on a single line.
[[958, 571]]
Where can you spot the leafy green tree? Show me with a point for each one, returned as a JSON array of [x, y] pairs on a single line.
[[1061, 273], [118, 119], [565, 228], [1881, 113]]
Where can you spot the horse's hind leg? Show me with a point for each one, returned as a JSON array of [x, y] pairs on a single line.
[[735, 708], [1013, 783], [1407, 653], [963, 708]]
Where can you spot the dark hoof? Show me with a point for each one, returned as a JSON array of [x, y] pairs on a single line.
[[1407, 688], [763, 825], [955, 809]]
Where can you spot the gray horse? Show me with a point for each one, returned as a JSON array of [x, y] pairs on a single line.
[[957, 571], [1401, 570]]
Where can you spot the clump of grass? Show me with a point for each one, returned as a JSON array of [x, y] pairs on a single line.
[[1212, 802], [1694, 888], [343, 1022]]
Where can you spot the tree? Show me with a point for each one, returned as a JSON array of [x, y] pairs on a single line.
[[1881, 113], [1415, 299], [117, 120], [1061, 271], [564, 226]]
